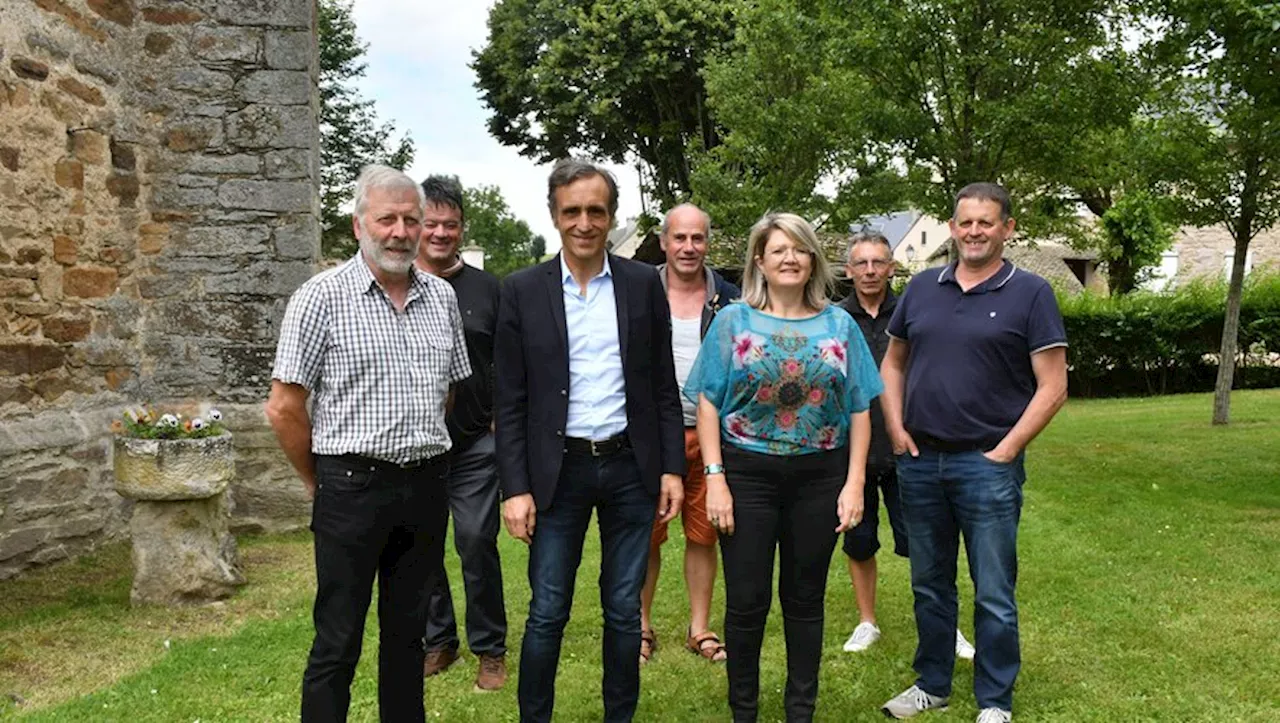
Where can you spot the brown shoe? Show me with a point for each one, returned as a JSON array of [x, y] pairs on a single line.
[[492, 674], [438, 661]]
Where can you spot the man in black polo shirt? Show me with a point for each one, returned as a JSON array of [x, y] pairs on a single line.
[[975, 369], [869, 267], [473, 476]]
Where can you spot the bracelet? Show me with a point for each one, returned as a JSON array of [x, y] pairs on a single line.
[[716, 468]]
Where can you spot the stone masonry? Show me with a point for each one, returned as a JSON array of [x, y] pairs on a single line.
[[158, 204], [1202, 252]]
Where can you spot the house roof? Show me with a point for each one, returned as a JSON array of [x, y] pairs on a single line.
[[1047, 260], [893, 226]]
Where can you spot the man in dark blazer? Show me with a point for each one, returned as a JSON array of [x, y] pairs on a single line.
[[588, 418]]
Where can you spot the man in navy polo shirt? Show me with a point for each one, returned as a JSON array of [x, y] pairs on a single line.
[[975, 369]]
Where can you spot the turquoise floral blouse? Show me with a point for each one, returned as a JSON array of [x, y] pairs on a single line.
[[784, 386]]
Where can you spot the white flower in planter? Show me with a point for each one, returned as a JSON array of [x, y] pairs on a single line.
[[168, 420], [215, 415], [198, 424]]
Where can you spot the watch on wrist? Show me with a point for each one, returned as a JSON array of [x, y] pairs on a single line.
[[713, 469]]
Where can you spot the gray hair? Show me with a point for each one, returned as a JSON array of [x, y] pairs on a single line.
[[755, 289], [666, 220], [384, 178], [983, 191], [568, 170], [867, 237]]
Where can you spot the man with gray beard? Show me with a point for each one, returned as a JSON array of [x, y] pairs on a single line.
[[378, 343]]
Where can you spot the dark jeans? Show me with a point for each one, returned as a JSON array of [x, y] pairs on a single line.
[[863, 541], [473, 500], [372, 521], [945, 495], [611, 486], [788, 504]]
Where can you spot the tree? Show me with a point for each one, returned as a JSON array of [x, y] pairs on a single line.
[[617, 79], [1229, 109], [791, 118], [1135, 233], [350, 135], [905, 103], [538, 248], [507, 241]]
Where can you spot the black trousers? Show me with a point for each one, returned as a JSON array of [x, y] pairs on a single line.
[[473, 501], [786, 504], [372, 521]]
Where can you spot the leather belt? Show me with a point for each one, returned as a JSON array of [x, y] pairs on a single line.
[[946, 447], [597, 448], [384, 464]]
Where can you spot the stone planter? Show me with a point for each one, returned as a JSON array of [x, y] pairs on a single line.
[[183, 550]]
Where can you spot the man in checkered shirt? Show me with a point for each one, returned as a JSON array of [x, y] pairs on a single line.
[[377, 343]]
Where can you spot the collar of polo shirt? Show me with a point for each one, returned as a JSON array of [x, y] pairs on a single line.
[[1005, 273]]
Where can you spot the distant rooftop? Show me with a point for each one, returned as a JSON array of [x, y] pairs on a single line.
[[893, 226]]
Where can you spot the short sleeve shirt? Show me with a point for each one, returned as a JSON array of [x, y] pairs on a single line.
[[380, 377], [784, 386], [969, 375]]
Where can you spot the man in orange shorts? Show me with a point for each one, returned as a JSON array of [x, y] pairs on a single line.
[[695, 293]]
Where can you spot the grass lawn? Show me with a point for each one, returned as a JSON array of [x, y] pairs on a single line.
[[1149, 591]]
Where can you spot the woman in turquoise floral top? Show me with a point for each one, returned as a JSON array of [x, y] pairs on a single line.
[[783, 382]]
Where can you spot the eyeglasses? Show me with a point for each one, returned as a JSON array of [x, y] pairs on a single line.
[[877, 264], [785, 251]]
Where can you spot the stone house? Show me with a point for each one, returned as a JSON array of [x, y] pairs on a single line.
[[1208, 252]]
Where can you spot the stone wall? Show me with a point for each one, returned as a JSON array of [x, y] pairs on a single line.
[[1202, 252], [158, 203]]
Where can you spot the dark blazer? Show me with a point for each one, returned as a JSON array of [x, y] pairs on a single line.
[[531, 360]]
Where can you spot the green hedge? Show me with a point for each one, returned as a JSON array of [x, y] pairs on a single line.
[[1146, 343]]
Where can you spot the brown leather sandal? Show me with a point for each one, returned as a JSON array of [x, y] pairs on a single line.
[[707, 645], [648, 645]]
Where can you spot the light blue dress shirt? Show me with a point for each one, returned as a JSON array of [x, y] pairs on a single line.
[[597, 391]]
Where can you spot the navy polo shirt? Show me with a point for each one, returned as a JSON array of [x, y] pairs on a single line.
[[969, 375]]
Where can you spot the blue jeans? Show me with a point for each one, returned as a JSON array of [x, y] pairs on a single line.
[[625, 510], [945, 495]]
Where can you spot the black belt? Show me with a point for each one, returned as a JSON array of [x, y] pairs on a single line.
[[597, 448], [385, 465], [942, 445]]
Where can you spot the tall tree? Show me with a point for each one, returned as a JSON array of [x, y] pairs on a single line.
[[538, 248], [1229, 109], [618, 79], [924, 97], [507, 241], [350, 135]]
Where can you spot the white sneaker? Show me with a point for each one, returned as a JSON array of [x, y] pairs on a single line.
[[965, 651], [994, 715], [863, 637], [912, 701]]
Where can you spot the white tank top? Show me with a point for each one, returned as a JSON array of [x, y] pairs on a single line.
[[686, 337]]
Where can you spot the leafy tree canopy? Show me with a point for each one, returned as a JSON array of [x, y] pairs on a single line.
[[616, 79], [507, 241], [903, 104]]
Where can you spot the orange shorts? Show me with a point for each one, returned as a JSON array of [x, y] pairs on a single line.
[[693, 513]]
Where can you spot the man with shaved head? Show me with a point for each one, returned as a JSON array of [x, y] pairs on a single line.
[[695, 293]]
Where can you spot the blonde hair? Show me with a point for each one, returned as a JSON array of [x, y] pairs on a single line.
[[755, 289]]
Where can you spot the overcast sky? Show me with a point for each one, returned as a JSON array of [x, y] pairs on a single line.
[[418, 74]]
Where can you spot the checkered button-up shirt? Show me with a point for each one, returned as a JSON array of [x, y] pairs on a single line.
[[379, 377]]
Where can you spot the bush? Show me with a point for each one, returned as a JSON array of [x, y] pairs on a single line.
[[1148, 343]]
